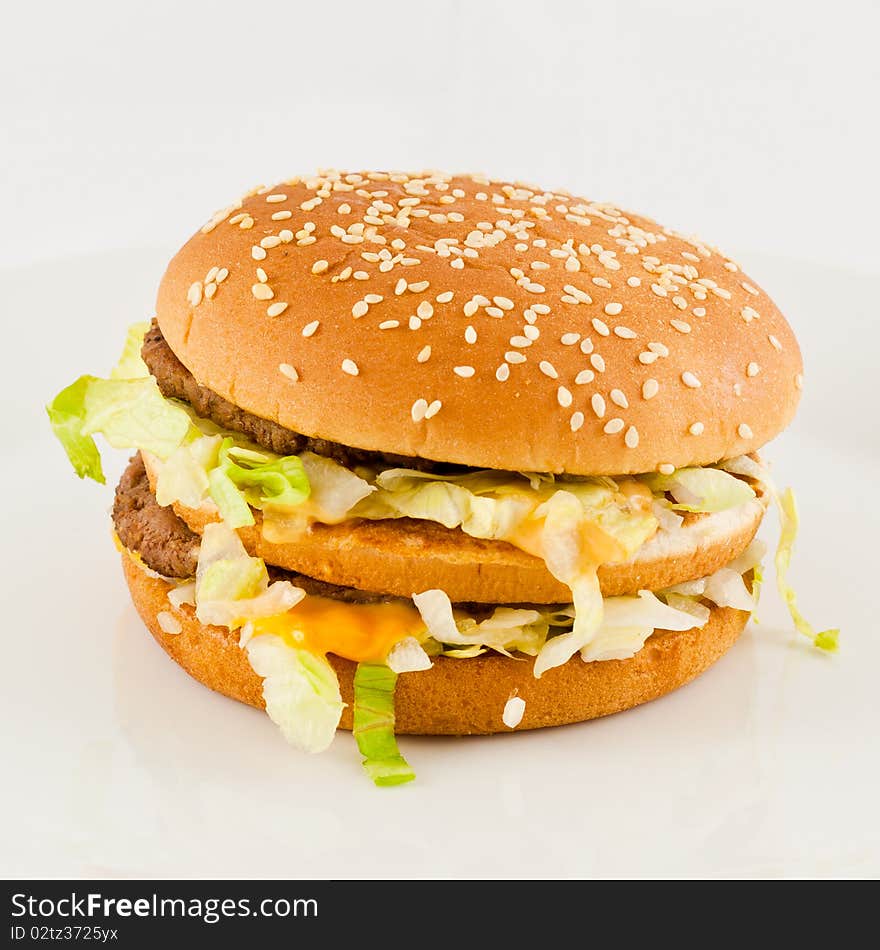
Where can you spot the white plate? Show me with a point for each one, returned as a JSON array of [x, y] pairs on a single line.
[[117, 764]]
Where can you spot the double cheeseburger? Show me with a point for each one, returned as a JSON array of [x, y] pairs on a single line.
[[441, 454]]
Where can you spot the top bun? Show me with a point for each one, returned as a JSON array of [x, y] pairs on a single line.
[[469, 320]]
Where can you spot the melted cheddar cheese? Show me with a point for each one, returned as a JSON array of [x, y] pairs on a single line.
[[365, 633]]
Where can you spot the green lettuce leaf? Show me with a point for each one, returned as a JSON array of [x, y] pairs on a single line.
[[131, 365], [246, 477], [67, 413], [701, 489], [374, 725]]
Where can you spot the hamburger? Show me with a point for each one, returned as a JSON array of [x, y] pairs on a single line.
[[442, 454]]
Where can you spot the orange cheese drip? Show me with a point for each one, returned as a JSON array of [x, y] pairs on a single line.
[[361, 632]]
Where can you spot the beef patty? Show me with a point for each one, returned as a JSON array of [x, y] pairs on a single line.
[[177, 382]]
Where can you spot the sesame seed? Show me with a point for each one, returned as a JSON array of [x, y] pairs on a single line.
[[598, 403], [262, 292], [665, 468], [650, 388], [563, 397], [548, 369], [744, 431], [584, 376], [631, 439], [419, 408], [753, 369], [576, 421], [464, 371], [424, 354], [309, 328], [613, 426], [194, 294], [502, 373], [690, 380], [618, 398], [360, 309], [696, 428], [350, 367], [287, 370], [276, 309], [433, 409], [613, 308], [319, 266]]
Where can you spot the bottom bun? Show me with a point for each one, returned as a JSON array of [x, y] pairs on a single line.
[[457, 697]]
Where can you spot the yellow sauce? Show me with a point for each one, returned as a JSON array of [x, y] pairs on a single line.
[[361, 632]]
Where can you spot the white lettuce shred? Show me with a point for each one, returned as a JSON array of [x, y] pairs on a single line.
[[786, 508], [408, 656], [232, 587], [300, 689]]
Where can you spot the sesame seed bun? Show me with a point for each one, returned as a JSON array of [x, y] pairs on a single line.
[[478, 322], [402, 556], [457, 697]]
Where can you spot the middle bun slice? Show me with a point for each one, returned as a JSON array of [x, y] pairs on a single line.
[[401, 556]]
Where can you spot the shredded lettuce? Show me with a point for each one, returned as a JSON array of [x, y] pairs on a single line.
[[702, 489], [374, 725], [408, 656], [131, 365], [788, 523], [232, 587], [300, 689], [786, 507]]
